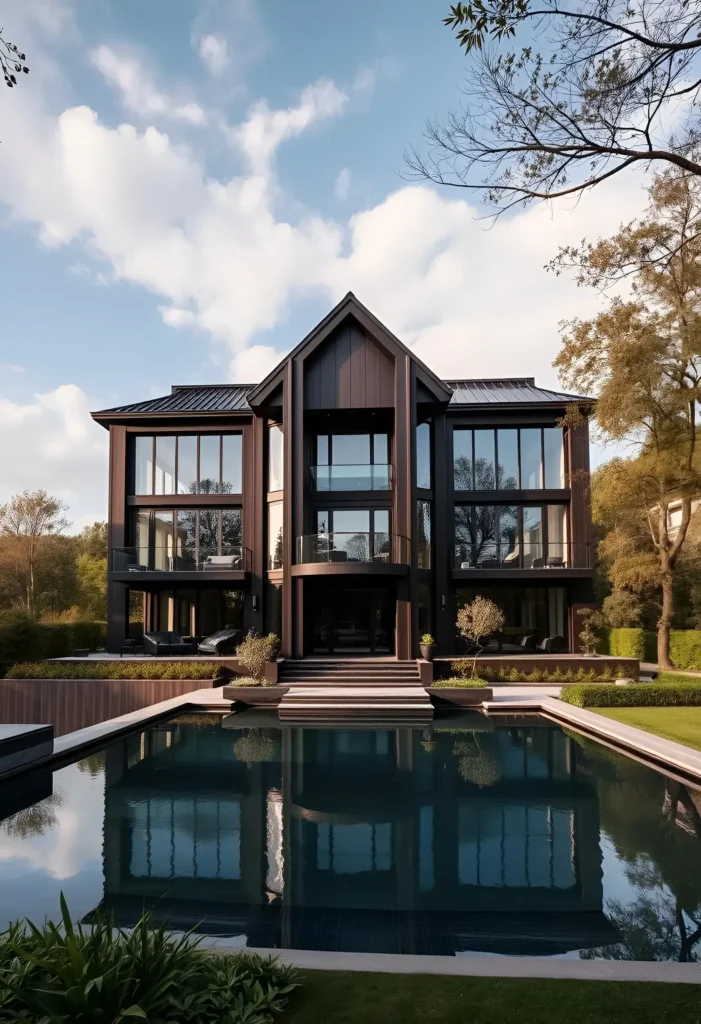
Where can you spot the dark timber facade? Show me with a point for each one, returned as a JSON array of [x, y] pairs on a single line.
[[350, 502]]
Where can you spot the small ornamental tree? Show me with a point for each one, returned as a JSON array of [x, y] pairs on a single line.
[[255, 652], [477, 621]]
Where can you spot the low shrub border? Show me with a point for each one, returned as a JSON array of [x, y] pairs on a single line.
[[489, 674], [115, 670], [636, 696], [477, 683]]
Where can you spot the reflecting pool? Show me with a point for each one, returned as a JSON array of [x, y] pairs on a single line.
[[503, 836]]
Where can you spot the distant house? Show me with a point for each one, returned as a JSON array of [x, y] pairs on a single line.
[[350, 502]]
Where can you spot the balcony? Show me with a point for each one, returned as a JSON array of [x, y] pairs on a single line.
[[136, 560], [379, 549], [553, 555], [351, 478]]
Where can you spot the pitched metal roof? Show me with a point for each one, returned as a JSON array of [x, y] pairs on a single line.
[[189, 398], [519, 390]]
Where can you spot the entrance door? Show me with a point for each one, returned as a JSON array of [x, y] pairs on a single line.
[[352, 621]]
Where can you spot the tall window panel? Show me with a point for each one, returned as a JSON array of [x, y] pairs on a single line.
[[210, 464], [485, 477], [187, 464], [531, 458], [462, 460], [275, 534], [232, 463], [507, 467], [276, 458], [165, 464], [424, 534], [423, 455], [553, 445], [209, 531], [231, 531], [163, 539], [143, 465]]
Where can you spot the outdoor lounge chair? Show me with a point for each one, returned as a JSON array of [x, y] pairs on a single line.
[[529, 643], [224, 641], [552, 645], [164, 643], [222, 562]]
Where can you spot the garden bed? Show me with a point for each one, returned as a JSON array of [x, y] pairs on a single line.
[[543, 668], [255, 696], [466, 695]]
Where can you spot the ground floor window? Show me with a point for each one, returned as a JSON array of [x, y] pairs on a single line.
[[533, 614], [349, 620], [190, 612]]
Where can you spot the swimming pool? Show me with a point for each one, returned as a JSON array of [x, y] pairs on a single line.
[[507, 835]]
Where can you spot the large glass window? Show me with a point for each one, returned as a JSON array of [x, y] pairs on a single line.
[[526, 458], [143, 465], [165, 464], [350, 449], [531, 470], [276, 456], [511, 536], [187, 464], [485, 479], [532, 613], [163, 540], [462, 459], [532, 537], [424, 534], [352, 462], [231, 460], [143, 525], [210, 464], [423, 455], [187, 539], [557, 535], [554, 457], [231, 531], [209, 532], [348, 535], [275, 534], [507, 469]]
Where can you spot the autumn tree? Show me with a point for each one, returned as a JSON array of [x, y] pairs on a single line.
[[640, 357], [28, 521], [562, 94]]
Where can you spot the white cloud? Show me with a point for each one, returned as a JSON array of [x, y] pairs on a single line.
[[175, 317], [214, 52], [59, 447], [341, 186], [138, 91], [254, 363], [264, 129], [365, 80]]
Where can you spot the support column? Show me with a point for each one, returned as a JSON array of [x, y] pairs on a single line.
[[404, 415], [117, 608], [287, 645], [256, 510], [442, 542]]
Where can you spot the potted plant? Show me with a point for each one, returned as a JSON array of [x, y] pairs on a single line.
[[426, 646], [254, 653]]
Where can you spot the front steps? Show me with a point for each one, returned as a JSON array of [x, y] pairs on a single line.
[[346, 702], [349, 671]]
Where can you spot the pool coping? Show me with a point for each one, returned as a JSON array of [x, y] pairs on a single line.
[[478, 966]]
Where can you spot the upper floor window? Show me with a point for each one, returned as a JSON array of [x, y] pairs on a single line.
[[352, 462], [187, 464], [508, 458], [276, 457], [423, 455]]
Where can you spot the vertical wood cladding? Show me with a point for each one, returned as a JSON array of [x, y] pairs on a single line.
[[350, 371], [580, 484]]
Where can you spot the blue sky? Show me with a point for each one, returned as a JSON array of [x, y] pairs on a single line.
[[187, 186]]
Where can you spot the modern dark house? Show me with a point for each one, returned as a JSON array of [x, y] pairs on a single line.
[[350, 502]]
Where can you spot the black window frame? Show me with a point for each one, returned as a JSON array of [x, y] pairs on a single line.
[[132, 474], [518, 428]]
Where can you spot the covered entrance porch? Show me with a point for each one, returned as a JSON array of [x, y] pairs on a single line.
[[351, 617]]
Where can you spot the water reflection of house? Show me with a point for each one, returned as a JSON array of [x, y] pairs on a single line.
[[359, 839]]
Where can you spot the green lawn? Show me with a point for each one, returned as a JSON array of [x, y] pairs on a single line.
[[330, 997], [683, 725]]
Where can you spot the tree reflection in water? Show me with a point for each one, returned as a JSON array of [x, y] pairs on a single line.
[[35, 820], [657, 837]]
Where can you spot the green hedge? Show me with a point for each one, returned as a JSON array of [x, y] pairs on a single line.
[[644, 695], [685, 648], [22, 639], [542, 675], [116, 670], [684, 645]]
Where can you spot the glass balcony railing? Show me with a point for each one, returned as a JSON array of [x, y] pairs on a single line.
[[352, 478], [352, 547], [490, 555], [231, 558]]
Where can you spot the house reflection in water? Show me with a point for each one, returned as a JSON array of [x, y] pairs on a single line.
[[390, 840]]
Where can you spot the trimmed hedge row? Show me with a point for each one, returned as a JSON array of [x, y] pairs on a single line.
[[116, 670], [22, 639], [645, 695], [684, 645], [463, 667]]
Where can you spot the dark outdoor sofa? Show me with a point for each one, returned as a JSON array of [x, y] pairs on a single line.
[[222, 642], [162, 643]]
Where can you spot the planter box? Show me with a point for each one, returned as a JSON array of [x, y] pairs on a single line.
[[255, 696], [465, 696]]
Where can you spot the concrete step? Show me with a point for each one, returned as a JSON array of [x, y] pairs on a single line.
[[354, 712], [356, 701]]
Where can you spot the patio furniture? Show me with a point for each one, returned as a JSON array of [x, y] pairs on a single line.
[[224, 641], [130, 647], [552, 644], [164, 642], [136, 567], [530, 642], [555, 562], [338, 555], [220, 562], [81, 652]]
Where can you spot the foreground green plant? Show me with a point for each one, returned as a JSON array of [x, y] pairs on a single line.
[[75, 975], [114, 670], [636, 696], [473, 683], [461, 666]]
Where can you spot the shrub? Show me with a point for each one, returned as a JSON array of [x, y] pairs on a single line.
[[245, 681], [644, 695], [256, 651], [477, 620], [677, 678], [473, 681], [64, 974], [22, 638], [427, 640], [114, 670], [627, 643], [494, 674], [685, 648]]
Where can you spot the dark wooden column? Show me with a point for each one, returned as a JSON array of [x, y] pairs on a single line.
[[404, 415], [442, 537], [255, 515], [297, 498], [580, 486], [117, 593], [288, 509]]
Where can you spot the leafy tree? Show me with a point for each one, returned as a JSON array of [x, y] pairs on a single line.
[[622, 609], [582, 93], [641, 357], [30, 519], [477, 620], [92, 585]]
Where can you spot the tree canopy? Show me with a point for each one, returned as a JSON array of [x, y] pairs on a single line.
[[585, 90]]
